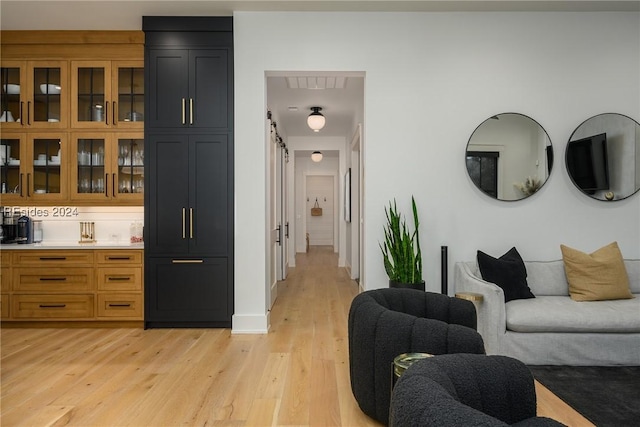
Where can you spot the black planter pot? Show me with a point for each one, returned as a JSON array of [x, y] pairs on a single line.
[[420, 286]]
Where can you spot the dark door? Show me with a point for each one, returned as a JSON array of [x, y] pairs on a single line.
[[168, 187], [208, 88], [187, 290], [208, 195], [168, 88]]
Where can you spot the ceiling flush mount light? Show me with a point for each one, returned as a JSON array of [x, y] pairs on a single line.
[[316, 119], [316, 156]]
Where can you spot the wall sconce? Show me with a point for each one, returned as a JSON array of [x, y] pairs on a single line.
[[316, 156], [316, 120]]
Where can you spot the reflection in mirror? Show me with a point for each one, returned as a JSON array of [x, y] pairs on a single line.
[[603, 157], [509, 156]]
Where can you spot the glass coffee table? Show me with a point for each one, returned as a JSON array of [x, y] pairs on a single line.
[[402, 362]]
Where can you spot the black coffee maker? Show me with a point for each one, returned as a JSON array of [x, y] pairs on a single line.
[[25, 230], [9, 226]]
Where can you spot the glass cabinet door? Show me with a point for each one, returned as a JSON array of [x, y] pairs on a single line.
[[11, 176], [91, 107], [91, 171], [48, 105], [47, 157], [130, 167], [130, 93], [12, 93]]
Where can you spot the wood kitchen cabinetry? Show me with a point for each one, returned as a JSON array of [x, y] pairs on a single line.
[[189, 179], [55, 84], [39, 172], [72, 285]]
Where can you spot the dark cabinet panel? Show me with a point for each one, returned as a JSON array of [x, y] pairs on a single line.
[[188, 292], [168, 87], [189, 171], [189, 88], [168, 193], [209, 199]]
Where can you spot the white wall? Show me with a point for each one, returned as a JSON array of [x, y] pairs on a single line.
[[431, 78]]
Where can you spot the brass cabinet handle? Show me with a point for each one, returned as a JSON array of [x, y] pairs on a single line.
[[28, 183], [106, 114], [21, 175], [191, 223], [106, 185], [53, 279], [122, 279], [21, 115], [184, 230], [118, 258], [114, 114], [119, 305], [184, 106], [190, 111], [29, 112], [187, 261], [52, 305], [113, 184], [53, 258]]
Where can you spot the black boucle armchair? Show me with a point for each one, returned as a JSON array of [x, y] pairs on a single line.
[[466, 390], [384, 323]]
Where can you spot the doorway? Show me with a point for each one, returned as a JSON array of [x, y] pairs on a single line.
[[320, 223]]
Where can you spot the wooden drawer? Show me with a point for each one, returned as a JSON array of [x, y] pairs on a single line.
[[5, 279], [5, 258], [119, 256], [52, 306], [77, 258], [119, 279], [4, 306], [53, 279], [125, 306]]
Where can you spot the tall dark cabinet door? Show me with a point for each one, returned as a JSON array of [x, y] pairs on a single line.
[[208, 88], [168, 88], [168, 191], [209, 199]]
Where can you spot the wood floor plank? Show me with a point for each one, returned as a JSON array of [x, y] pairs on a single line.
[[296, 375]]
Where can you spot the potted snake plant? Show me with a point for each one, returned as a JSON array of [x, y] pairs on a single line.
[[401, 249]]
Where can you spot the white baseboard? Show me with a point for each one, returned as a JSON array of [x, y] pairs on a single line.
[[250, 324]]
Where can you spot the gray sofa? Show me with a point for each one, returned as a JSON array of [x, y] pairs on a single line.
[[553, 329]]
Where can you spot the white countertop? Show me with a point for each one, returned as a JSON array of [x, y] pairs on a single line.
[[73, 245]]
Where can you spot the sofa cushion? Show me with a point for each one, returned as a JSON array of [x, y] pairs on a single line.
[[508, 272], [547, 278], [562, 314], [600, 275]]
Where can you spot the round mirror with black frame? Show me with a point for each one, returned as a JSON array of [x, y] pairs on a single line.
[[509, 156], [603, 157]]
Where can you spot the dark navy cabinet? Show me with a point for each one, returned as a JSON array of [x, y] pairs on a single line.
[[189, 171]]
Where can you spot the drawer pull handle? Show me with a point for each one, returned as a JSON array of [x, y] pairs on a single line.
[[187, 261], [119, 278], [118, 258], [53, 305], [53, 258], [119, 305], [53, 279]]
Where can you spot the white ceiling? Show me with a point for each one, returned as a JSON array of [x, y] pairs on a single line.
[[340, 106]]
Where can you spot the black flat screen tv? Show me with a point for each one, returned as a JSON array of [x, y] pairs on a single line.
[[587, 163]]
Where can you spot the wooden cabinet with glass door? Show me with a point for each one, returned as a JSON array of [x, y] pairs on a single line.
[[35, 168], [34, 94], [108, 167], [107, 94]]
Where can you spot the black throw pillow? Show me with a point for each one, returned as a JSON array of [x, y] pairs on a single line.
[[508, 272]]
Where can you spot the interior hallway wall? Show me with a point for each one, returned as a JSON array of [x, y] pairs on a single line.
[[431, 79]]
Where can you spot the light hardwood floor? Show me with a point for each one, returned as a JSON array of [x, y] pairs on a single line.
[[297, 375]]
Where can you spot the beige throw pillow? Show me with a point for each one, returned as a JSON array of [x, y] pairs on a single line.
[[597, 276]]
